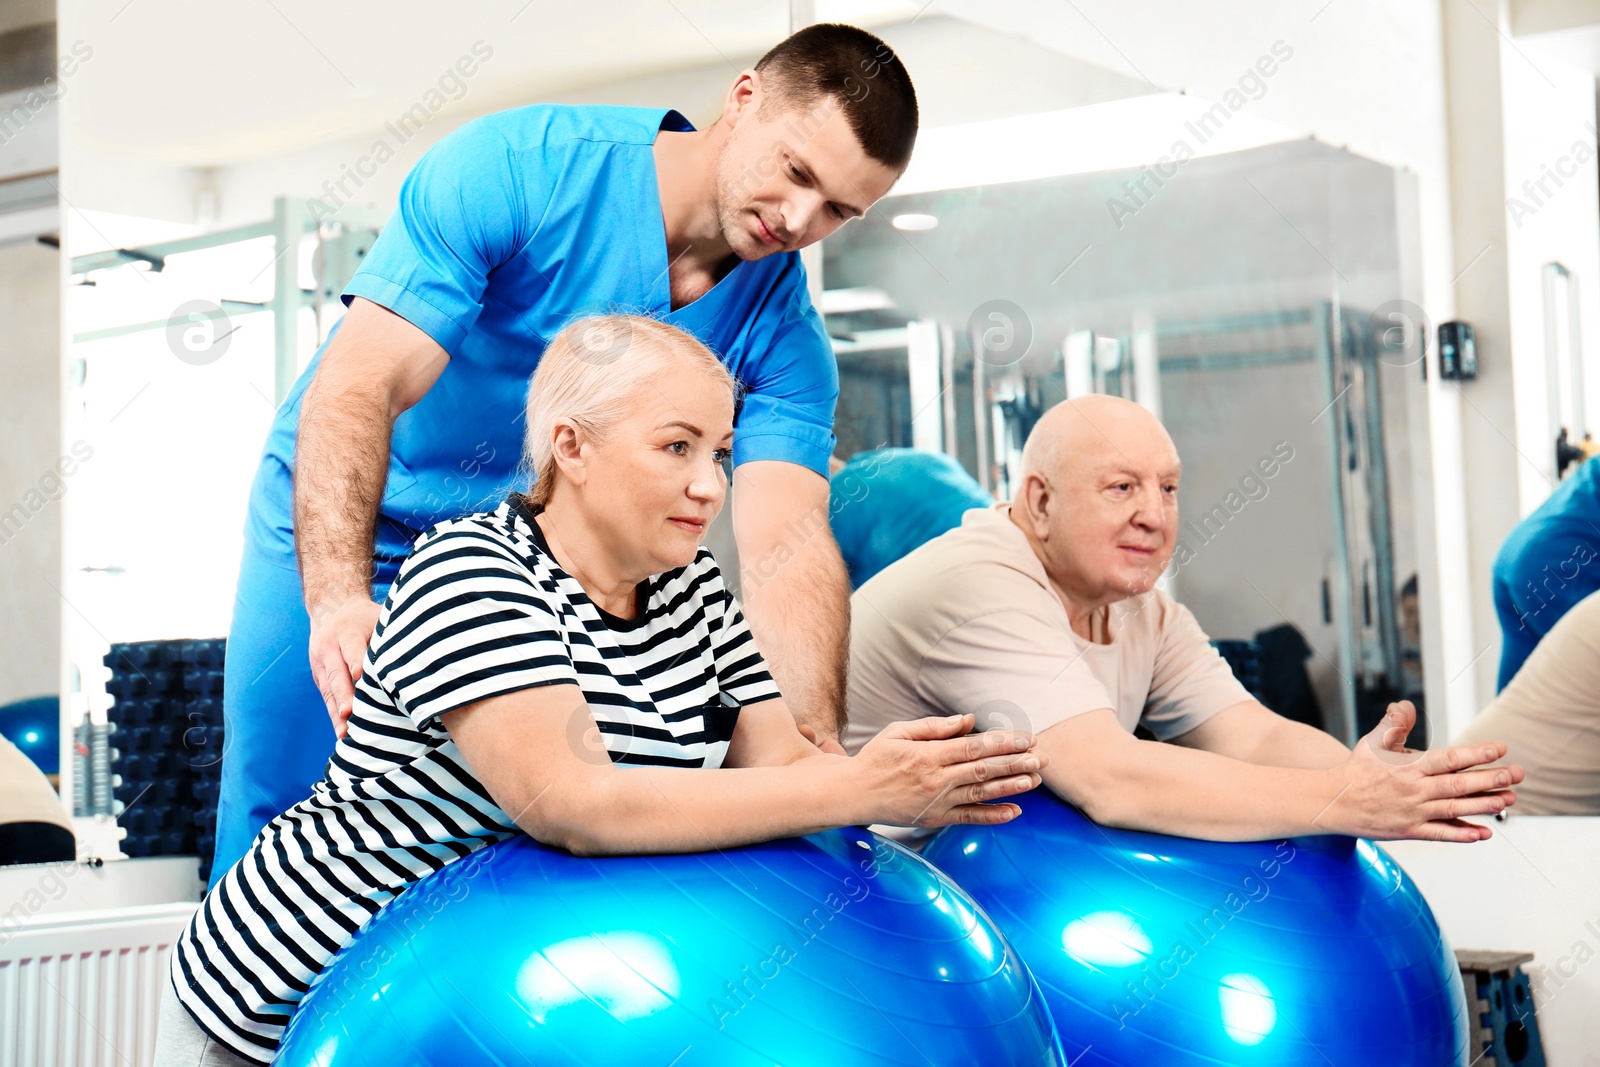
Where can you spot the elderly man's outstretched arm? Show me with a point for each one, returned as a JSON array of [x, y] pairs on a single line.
[[1254, 733], [1379, 790]]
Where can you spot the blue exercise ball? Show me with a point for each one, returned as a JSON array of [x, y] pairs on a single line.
[[1166, 950], [885, 503], [838, 948], [34, 726]]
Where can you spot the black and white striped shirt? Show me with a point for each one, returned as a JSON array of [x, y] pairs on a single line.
[[479, 609]]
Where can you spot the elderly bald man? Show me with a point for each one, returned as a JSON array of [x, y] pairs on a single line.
[[1042, 614]]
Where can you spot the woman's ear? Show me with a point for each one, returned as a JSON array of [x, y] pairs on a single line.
[[567, 448]]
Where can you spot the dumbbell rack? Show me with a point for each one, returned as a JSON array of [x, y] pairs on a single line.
[[164, 733]]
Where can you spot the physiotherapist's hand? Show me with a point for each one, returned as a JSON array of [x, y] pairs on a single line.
[[934, 772], [827, 742], [1389, 792], [339, 636]]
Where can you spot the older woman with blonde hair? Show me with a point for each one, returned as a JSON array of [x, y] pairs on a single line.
[[572, 666]]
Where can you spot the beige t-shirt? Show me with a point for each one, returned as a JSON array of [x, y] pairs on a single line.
[[1549, 718], [969, 622]]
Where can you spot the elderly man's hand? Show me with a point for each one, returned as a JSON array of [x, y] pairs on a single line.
[[339, 636], [1389, 792]]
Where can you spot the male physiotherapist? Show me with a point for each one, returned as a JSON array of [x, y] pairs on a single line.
[[412, 412]]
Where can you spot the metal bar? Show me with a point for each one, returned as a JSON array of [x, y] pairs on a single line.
[[1077, 363], [1237, 323], [230, 309], [1560, 294], [33, 191], [980, 411], [1557, 285], [290, 219], [1237, 360], [1580, 412], [870, 341], [1006, 465], [947, 386], [1327, 341], [158, 252], [1145, 358], [1379, 516], [922, 362]]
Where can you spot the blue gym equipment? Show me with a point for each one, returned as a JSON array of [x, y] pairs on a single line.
[[1163, 950], [835, 949], [34, 726]]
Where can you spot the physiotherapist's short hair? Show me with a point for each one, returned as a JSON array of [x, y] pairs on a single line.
[[856, 69], [589, 375]]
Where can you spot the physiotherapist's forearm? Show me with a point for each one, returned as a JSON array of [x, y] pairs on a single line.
[[341, 460], [794, 586], [1163, 788], [800, 619]]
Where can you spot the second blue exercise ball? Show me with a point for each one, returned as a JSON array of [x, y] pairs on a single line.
[[34, 726], [1165, 950], [835, 949]]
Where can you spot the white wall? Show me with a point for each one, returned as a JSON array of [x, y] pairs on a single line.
[[31, 485], [1515, 110], [1529, 888], [1554, 131]]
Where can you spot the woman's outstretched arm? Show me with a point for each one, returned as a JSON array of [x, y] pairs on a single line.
[[539, 754]]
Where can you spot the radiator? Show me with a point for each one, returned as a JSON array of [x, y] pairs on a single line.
[[83, 989]]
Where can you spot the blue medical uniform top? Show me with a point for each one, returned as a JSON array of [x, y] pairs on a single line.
[[509, 228], [887, 502], [1549, 562]]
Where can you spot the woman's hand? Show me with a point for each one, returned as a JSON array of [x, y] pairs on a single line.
[[539, 755], [935, 772]]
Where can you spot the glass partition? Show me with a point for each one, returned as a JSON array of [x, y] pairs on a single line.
[[1260, 301]]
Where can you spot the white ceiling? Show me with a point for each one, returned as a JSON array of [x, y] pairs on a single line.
[[1579, 46], [197, 83]]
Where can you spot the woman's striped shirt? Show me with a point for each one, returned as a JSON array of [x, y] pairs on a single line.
[[478, 610]]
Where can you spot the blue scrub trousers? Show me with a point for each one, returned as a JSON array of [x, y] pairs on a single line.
[[277, 735]]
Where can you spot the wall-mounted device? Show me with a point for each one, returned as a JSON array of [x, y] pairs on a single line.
[[1458, 351]]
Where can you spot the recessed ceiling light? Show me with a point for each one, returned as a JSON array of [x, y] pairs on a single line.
[[914, 222]]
